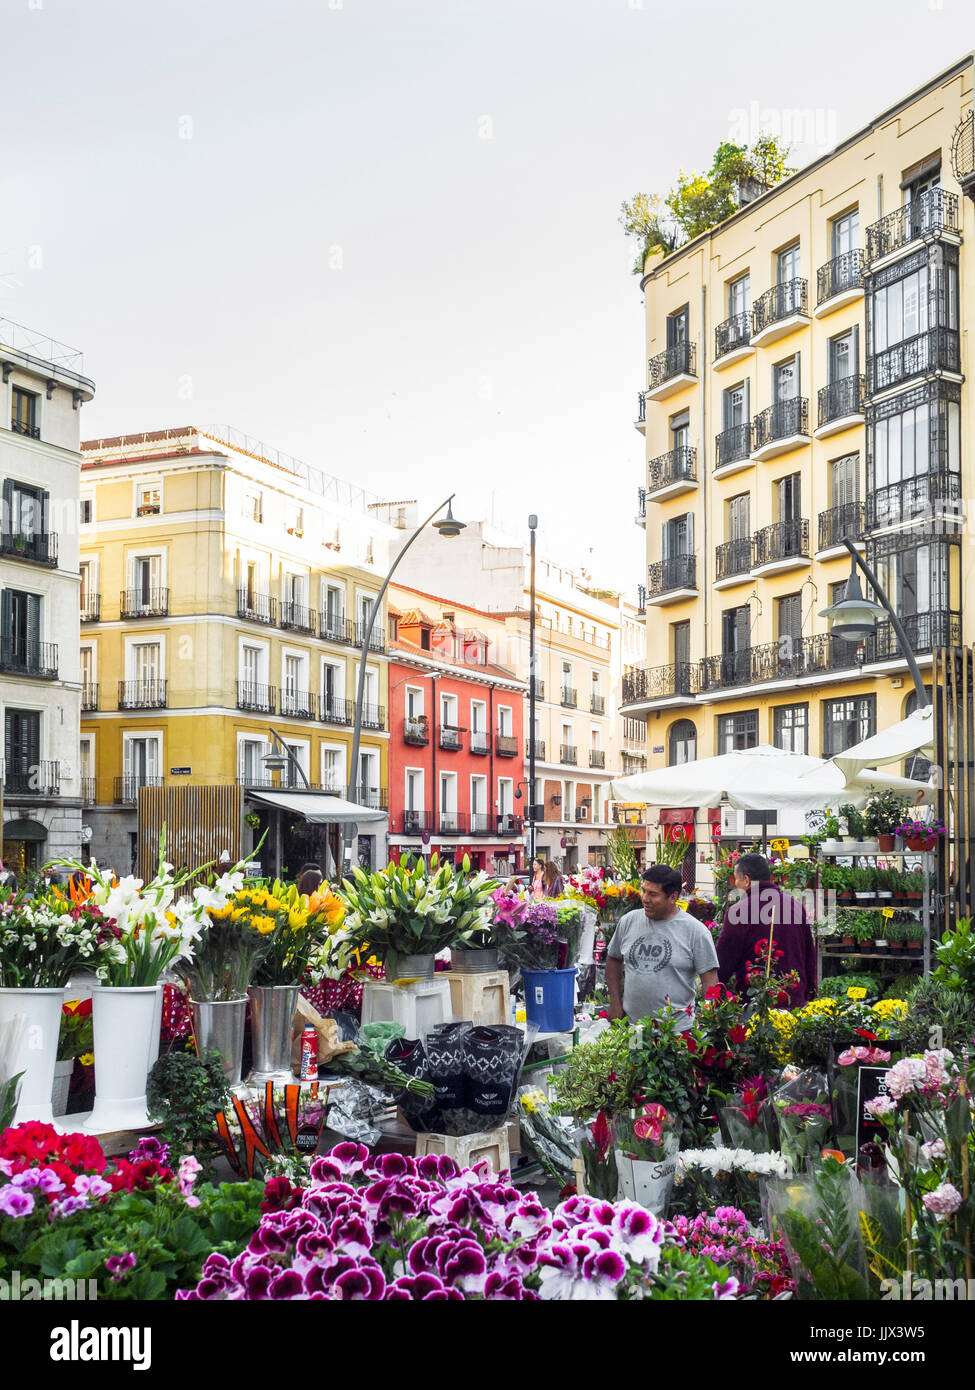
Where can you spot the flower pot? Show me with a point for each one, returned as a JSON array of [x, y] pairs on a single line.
[[646, 1181], [921, 844], [846, 896], [880, 946], [36, 1053], [886, 843], [884, 893], [549, 998], [477, 962], [124, 1021], [847, 942], [863, 897], [62, 1083], [913, 897], [272, 1012], [415, 968], [219, 1024], [832, 847], [896, 945], [914, 945]]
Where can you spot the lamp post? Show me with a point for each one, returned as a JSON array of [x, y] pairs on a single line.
[[532, 527], [854, 617], [277, 762], [448, 526]]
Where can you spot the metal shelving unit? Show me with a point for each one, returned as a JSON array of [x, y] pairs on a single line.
[[927, 866]]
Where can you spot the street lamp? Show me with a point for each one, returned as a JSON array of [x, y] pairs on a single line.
[[449, 527], [276, 761], [854, 617], [532, 527]]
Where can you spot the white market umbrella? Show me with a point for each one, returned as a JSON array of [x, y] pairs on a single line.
[[915, 734]]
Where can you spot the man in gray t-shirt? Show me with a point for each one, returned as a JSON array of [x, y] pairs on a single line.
[[657, 951]]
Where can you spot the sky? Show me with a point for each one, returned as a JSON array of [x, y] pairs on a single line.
[[382, 235]]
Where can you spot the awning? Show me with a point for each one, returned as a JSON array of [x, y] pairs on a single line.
[[24, 829], [915, 734], [318, 810]]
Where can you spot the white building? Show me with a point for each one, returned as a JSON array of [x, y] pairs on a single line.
[[42, 390]]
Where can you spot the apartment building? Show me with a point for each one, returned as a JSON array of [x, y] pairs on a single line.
[[577, 642], [807, 383], [226, 590], [456, 736], [42, 390]]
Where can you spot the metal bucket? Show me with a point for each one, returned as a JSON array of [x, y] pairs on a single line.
[[480, 962], [219, 1024], [272, 1011], [415, 968]]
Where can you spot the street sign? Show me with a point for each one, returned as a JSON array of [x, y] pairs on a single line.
[[425, 837], [180, 771], [563, 842]]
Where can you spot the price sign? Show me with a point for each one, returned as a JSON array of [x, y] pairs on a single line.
[[887, 912], [780, 846]]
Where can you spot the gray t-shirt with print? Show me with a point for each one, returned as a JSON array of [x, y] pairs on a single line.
[[661, 960]]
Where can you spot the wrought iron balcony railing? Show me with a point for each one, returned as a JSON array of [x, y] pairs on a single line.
[[539, 688], [783, 420], [38, 659], [733, 557], [336, 628], [506, 746], [641, 408], [480, 741], [144, 603], [733, 444], [297, 618], [539, 749], [841, 399], [482, 822], [298, 704], [678, 572], [88, 791], [89, 696], [334, 710], [641, 504], [40, 547], [782, 301], [127, 787], [922, 500], [373, 716], [377, 642], [932, 212], [839, 524], [597, 704], [24, 775], [142, 694], [91, 607], [416, 822], [568, 753], [509, 824], [452, 823], [841, 274], [26, 429], [937, 350], [257, 608], [925, 631], [416, 732], [450, 738], [783, 540], [569, 697], [734, 333], [376, 798], [677, 466], [679, 360], [660, 682], [259, 698], [597, 757]]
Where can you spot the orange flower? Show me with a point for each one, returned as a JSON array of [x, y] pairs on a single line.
[[834, 1153]]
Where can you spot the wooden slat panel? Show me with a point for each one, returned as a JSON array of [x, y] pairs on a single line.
[[200, 822]]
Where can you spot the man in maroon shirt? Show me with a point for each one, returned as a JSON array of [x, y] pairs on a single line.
[[759, 910]]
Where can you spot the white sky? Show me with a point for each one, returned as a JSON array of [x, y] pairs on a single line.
[[337, 260]]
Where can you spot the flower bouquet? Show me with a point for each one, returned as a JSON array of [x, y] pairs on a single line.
[[817, 1217], [708, 1179], [545, 936], [804, 1114], [647, 1144], [547, 1135], [750, 1124], [42, 944], [596, 1143]]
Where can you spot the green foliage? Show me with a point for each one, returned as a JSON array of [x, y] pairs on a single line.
[[697, 202], [9, 1096], [885, 811], [934, 1004], [672, 852], [186, 1093], [854, 822], [956, 957], [596, 1076], [622, 855], [835, 986], [826, 1247]]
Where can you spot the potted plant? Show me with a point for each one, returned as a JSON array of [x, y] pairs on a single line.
[[880, 943], [864, 929], [883, 814], [855, 825], [914, 934], [912, 885], [75, 1040], [921, 835], [896, 934], [846, 931], [887, 883], [831, 828], [864, 883]]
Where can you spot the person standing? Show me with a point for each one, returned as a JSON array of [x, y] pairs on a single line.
[[310, 880], [657, 952], [760, 910], [552, 883], [537, 885]]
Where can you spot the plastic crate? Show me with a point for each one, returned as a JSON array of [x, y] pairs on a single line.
[[467, 1150], [481, 998], [419, 1005]]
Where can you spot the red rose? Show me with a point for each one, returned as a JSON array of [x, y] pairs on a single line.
[[738, 1034]]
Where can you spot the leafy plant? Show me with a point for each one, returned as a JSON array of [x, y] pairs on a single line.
[[884, 812], [826, 1245], [932, 1003], [836, 986], [672, 852], [622, 855], [863, 879], [956, 957], [853, 821], [596, 1076], [831, 825], [186, 1093]]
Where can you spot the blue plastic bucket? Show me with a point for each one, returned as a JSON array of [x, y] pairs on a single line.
[[549, 999]]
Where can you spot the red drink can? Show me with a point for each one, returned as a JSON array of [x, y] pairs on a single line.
[[599, 949], [309, 1055]]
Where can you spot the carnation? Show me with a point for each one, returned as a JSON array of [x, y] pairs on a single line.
[[943, 1201]]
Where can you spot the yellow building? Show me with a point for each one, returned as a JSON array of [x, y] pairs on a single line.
[[807, 365], [225, 590]]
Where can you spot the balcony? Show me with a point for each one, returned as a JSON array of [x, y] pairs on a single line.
[[568, 753], [416, 732], [24, 427], [641, 507], [925, 631], [839, 282], [88, 791], [581, 813], [840, 405], [483, 823], [780, 311], [337, 628], [377, 642], [506, 745], [257, 608], [568, 697], [671, 371], [837, 525], [452, 823], [928, 499], [37, 547], [416, 822], [127, 788], [732, 450], [539, 686], [376, 798], [296, 618], [641, 412], [641, 599], [597, 757], [89, 697], [480, 742], [934, 353], [539, 745], [298, 704], [664, 685], [142, 694], [597, 704], [36, 659], [373, 716], [733, 562], [508, 824], [144, 603], [672, 473], [24, 775], [450, 738], [781, 546], [669, 581], [931, 217], [258, 698], [91, 607], [733, 340], [334, 710], [780, 428]]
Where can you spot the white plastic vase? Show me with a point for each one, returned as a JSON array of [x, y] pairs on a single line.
[[37, 1051], [647, 1181], [125, 1022], [587, 939]]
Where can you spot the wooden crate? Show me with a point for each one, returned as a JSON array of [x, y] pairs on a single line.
[[480, 998], [469, 1149]]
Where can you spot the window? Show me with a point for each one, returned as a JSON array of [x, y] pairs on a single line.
[[334, 612], [141, 759], [87, 668], [680, 431], [735, 406], [678, 536], [677, 328], [845, 233], [683, 743], [448, 794], [506, 791], [738, 522], [790, 728], [680, 636], [368, 789], [24, 509], [20, 629], [736, 629], [785, 380], [148, 499], [414, 701], [147, 577], [252, 506], [448, 711], [788, 621], [291, 776], [911, 439], [736, 731], [146, 659], [844, 480], [739, 296], [22, 748], [788, 497], [87, 511], [847, 722], [843, 356], [333, 768], [252, 665], [250, 762], [23, 414], [921, 579], [504, 721], [414, 790], [478, 798], [787, 265], [917, 767]]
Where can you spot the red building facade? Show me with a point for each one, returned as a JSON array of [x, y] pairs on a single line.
[[456, 741]]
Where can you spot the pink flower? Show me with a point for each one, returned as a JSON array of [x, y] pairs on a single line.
[[119, 1265], [943, 1201], [188, 1169], [873, 1055], [15, 1202], [881, 1107], [936, 1149]]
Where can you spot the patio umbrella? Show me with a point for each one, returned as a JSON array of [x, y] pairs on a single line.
[[915, 734]]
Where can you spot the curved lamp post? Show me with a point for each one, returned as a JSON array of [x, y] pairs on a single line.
[[448, 526], [277, 761], [855, 617]]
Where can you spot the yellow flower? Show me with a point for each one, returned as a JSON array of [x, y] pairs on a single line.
[[71, 1005], [297, 917], [220, 914], [86, 1059], [856, 994], [273, 904]]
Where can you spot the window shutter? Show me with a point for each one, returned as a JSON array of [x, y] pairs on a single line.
[[742, 627], [33, 629]]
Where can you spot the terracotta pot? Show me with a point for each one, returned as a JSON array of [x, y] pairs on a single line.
[[921, 844], [886, 843]]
